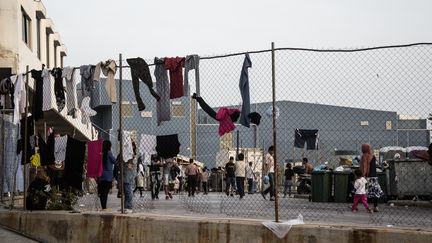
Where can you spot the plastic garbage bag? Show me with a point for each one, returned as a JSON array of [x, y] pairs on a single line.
[[282, 228]]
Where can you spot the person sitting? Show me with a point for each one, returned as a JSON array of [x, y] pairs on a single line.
[[307, 166]]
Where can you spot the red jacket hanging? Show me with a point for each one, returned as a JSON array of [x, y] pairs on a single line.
[[175, 67], [223, 115]]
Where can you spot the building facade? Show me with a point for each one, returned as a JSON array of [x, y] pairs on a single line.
[[27, 37]]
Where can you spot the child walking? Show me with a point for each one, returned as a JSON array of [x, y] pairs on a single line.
[[360, 191]]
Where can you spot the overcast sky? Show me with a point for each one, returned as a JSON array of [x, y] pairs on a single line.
[[100, 29]]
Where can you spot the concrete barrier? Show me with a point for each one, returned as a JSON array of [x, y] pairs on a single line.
[[104, 227]]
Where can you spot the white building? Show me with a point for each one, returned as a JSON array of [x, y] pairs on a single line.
[[28, 37]]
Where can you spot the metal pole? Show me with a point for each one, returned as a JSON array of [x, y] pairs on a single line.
[[274, 134], [2, 155], [121, 136], [238, 143], [25, 139]]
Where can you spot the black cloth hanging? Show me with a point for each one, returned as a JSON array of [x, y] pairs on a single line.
[[310, 137], [50, 159], [255, 118], [42, 150], [212, 113], [167, 146], [74, 163], [20, 144], [59, 88], [38, 95]]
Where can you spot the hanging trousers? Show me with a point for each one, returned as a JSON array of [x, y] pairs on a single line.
[[140, 70]]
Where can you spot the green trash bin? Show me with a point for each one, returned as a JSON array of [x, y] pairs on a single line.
[[341, 186], [321, 186]]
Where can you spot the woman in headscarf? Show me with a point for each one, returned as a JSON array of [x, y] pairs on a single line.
[[105, 181], [368, 169]]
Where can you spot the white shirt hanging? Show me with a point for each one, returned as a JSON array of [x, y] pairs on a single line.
[[20, 97], [127, 146]]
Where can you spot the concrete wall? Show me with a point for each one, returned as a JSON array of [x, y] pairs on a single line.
[[66, 227], [14, 52]]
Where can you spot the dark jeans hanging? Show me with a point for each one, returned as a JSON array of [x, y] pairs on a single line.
[[74, 162], [310, 137], [38, 96], [58, 88], [140, 70]]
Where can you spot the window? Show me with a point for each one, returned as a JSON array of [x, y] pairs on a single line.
[[26, 24], [47, 49], [127, 110], [38, 33], [388, 125], [146, 114], [364, 123], [55, 55], [177, 109]]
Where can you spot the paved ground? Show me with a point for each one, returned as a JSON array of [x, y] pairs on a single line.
[[12, 237], [255, 207]]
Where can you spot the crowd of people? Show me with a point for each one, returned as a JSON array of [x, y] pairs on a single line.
[[174, 178]]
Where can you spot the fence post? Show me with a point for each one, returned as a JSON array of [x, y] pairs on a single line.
[[274, 134], [120, 135], [25, 140]]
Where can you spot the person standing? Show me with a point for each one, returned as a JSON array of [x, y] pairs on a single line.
[[269, 164], [166, 177], [105, 181], [204, 180], [155, 176], [250, 176], [289, 173], [140, 177], [129, 177], [192, 175], [368, 169], [360, 191], [240, 171], [230, 177]]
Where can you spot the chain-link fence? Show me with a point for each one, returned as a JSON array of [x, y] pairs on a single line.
[[328, 103]]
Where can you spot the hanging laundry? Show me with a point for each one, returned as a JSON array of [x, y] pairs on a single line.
[[108, 69], [255, 118], [30, 132], [42, 150], [71, 91], [140, 70], [167, 146], [128, 152], [310, 137], [163, 106], [35, 160], [147, 147], [38, 95], [191, 63], [86, 111], [94, 158], [244, 90], [49, 101], [87, 74], [60, 144], [50, 148], [7, 89], [74, 163], [225, 116], [20, 97], [175, 66], [8, 134], [58, 88]]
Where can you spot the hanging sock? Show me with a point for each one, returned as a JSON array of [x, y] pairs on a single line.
[[140, 70], [175, 66], [163, 106], [244, 90], [191, 63]]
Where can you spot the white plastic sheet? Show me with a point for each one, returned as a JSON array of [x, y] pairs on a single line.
[[280, 229]]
